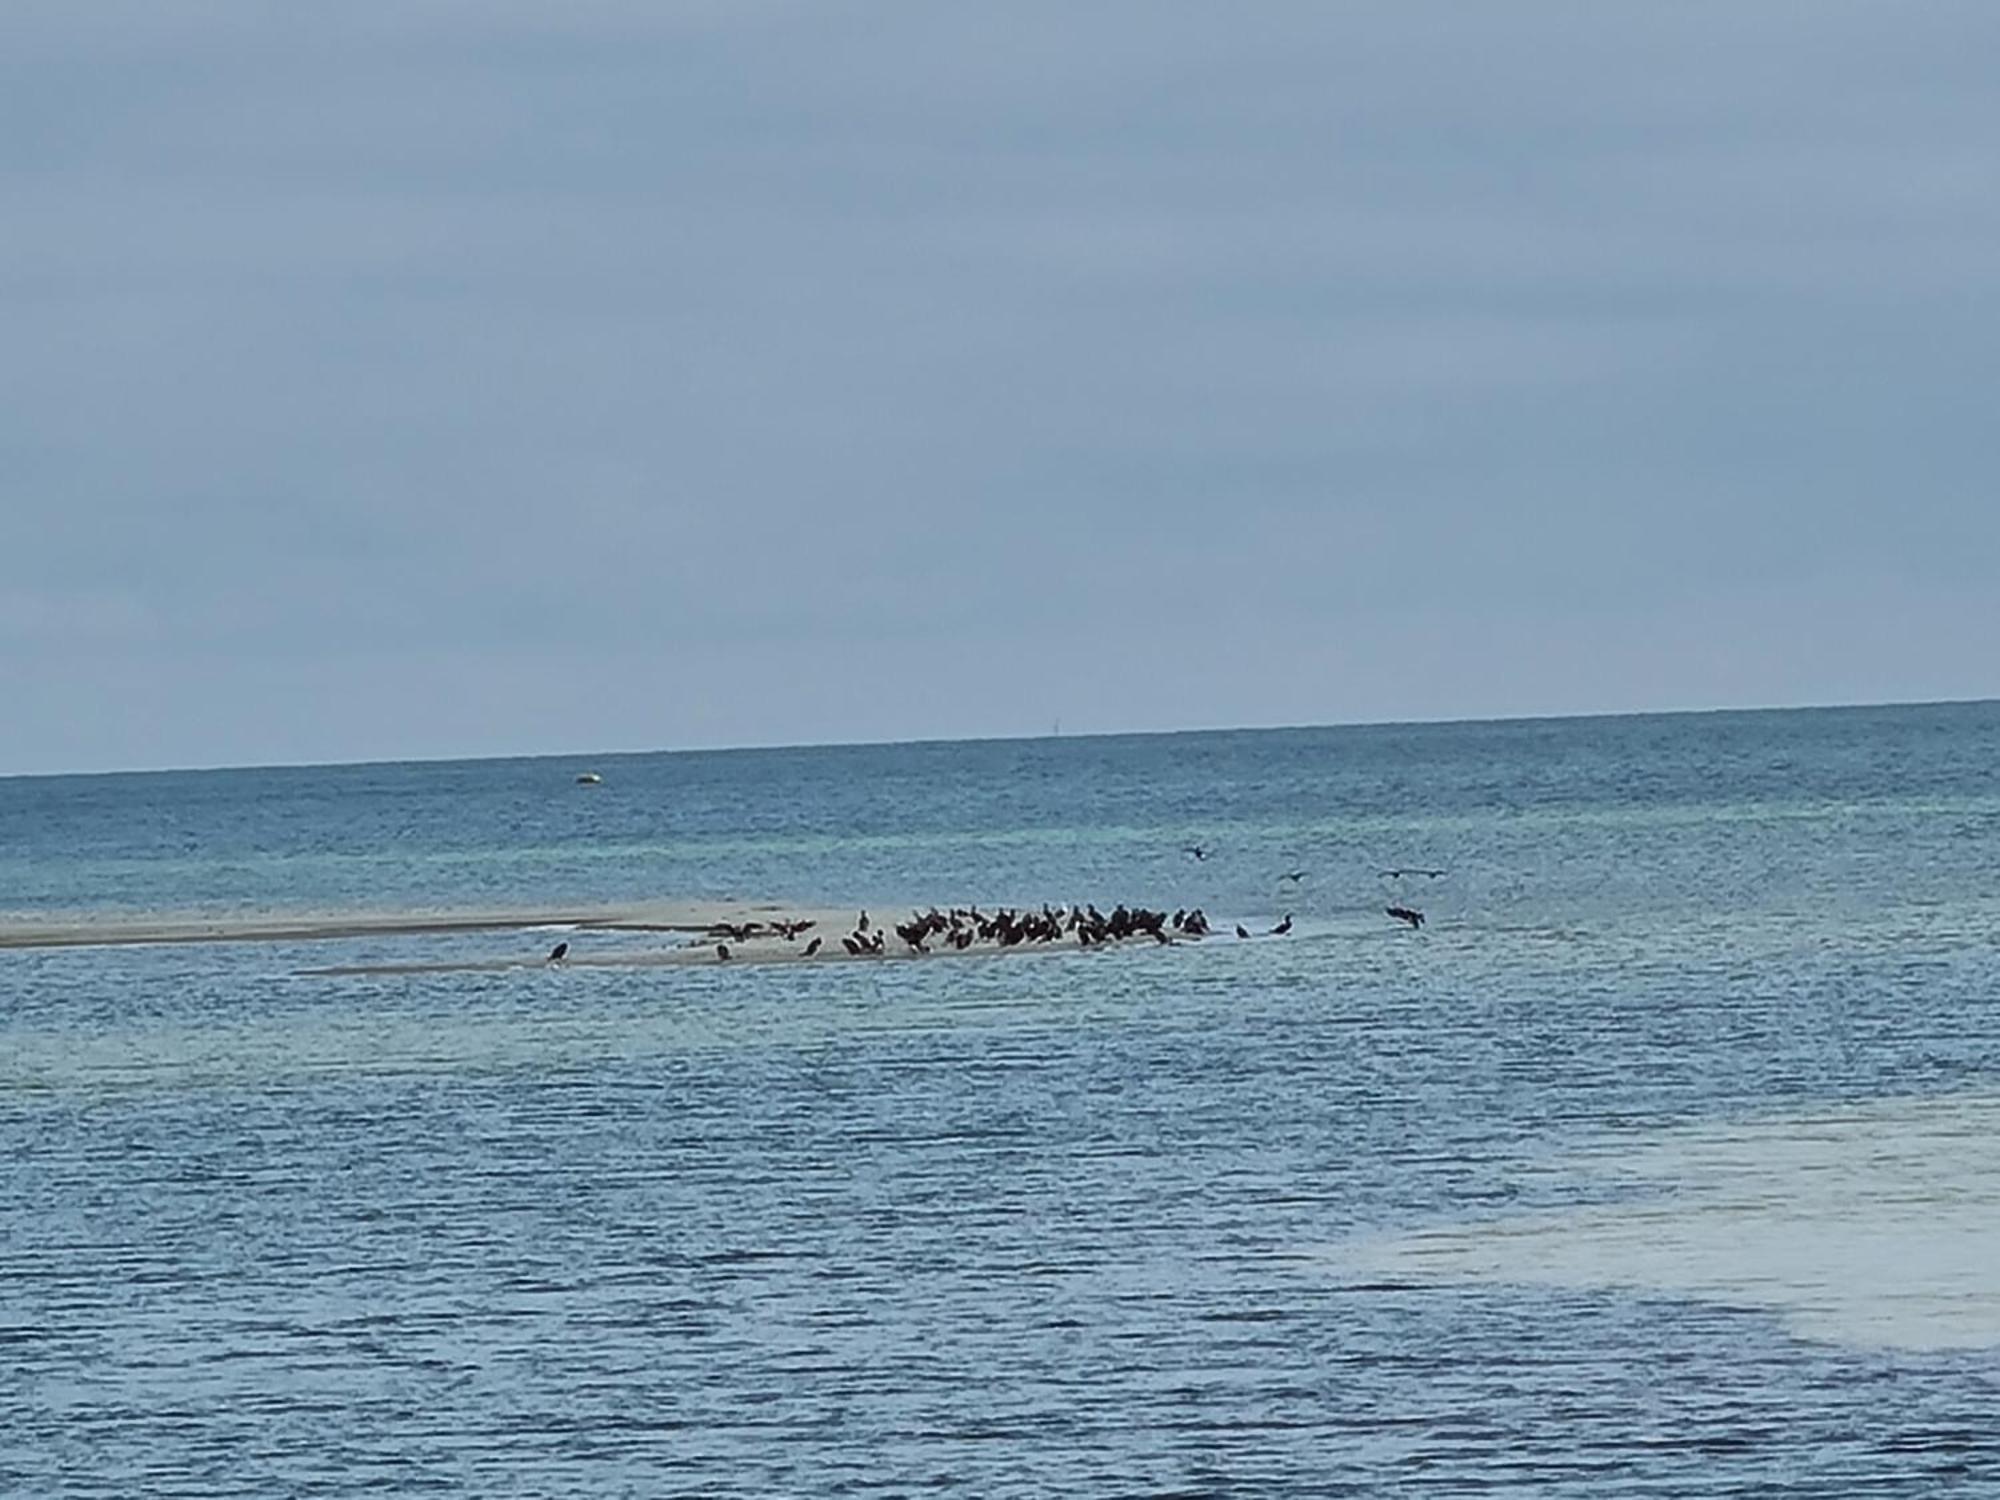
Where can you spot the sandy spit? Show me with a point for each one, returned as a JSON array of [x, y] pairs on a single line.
[[680, 916]]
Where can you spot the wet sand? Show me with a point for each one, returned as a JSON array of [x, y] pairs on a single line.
[[754, 951]]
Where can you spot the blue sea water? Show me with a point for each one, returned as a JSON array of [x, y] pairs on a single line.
[[1085, 1223]]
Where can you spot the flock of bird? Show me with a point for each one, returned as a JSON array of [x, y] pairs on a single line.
[[1401, 910], [742, 932], [960, 927]]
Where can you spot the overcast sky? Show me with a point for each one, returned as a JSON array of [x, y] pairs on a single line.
[[385, 380]]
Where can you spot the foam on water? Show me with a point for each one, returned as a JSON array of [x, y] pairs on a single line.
[[1874, 1226]]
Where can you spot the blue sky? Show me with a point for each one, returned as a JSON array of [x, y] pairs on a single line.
[[391, 380]]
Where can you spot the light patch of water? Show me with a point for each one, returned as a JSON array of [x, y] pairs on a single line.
[[1873, 1225]]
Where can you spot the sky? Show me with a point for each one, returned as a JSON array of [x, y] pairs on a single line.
[[395, 380]]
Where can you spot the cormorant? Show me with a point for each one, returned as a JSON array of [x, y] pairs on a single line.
[[812, 947], [558, 953]]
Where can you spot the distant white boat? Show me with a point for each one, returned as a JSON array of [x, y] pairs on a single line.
[[588, 778]]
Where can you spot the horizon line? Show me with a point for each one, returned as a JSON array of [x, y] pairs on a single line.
[[1445, 721]]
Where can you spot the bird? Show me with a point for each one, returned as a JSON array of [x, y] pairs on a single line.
[[853, 948], [1242, 931], [1407, 914], [812, 947], [862, 925], [722, 953], [558, 953], [1293, 875], [1197, 851], [1283, 927]]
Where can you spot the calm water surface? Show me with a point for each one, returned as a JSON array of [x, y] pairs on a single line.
[[1659, 1163]]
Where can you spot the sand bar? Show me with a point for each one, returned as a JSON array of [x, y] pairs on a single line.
[[112, 930], [691, 921]]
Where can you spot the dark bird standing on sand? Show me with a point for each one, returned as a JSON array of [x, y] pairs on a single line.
[[812, 947], [1242, 931], [722, 953], [558, 953], [862, 925], [1283, 927], [1406, 914]]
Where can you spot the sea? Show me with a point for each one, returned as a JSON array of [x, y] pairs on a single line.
[[1661, 1160]]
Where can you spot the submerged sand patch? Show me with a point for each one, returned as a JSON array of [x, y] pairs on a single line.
[[1872, 1225]]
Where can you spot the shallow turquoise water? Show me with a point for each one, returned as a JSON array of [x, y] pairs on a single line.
[[1100, 1223]]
